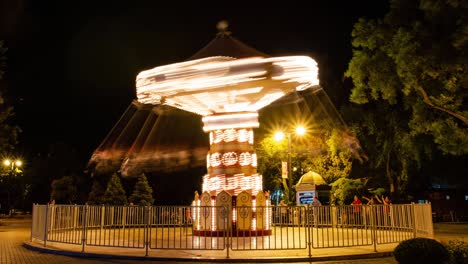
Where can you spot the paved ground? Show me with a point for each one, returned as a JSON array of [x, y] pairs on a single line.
[[14, 232]]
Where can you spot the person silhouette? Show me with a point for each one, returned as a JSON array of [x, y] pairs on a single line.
[[283, 212], [316, 201]]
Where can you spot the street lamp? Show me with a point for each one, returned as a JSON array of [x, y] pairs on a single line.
[[12, 167], [279, 136]]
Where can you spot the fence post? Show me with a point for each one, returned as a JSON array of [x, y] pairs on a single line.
[[146, 224], [124, 217], [413, 207], [75, 217], [428, 210], [34, 212], [103, 211], [309, 227], [374, 226], [227, 233], [46, 228], [85, 221]]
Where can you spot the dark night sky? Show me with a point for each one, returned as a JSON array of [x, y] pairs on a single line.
[[72, 64]]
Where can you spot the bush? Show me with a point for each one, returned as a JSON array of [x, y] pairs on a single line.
[[142, 193], [421, 250], [458, 251], [115, 193]]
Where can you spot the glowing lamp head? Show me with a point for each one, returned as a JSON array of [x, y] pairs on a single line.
[[279, 136], [16, 163], [300, 130]]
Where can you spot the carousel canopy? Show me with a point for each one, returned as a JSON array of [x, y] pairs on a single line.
[[226, 45], [224, 76], [223, 83]]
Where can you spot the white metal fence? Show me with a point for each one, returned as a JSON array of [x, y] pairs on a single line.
[[172, 227]]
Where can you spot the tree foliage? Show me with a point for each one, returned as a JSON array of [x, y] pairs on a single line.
[[344, 189], [269, 161], [409, 69], [415, 58], [142, 193], [8, 132], [13, 190], [115, 193], [3, 51], [324, 153], [60, 160], [64, 190], [96, 193], [334, 161]]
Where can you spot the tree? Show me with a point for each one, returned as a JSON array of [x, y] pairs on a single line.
[[328, 154], [60, 160], [64, 190], [8, 132], [115, 193], [344, 190], [12, 182], [270, 154], [142, 193], [3, 50], [96, 193], [335, 160], [409, 69]]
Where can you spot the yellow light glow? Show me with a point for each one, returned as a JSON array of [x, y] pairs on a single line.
[[8, 162], [300, 130], [279, 135]]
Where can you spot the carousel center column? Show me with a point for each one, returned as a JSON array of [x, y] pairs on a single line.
[[231, 160]]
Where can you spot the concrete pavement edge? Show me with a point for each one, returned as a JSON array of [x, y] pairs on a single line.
[[38, 248]]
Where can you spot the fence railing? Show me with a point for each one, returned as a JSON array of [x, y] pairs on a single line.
[[174, 228]]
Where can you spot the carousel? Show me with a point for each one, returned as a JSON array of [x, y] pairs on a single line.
[[227, 83]]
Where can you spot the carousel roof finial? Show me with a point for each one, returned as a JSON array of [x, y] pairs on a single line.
[[222, 27]]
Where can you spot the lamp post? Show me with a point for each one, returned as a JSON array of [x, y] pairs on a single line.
[[279, 136], [12, 167]]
